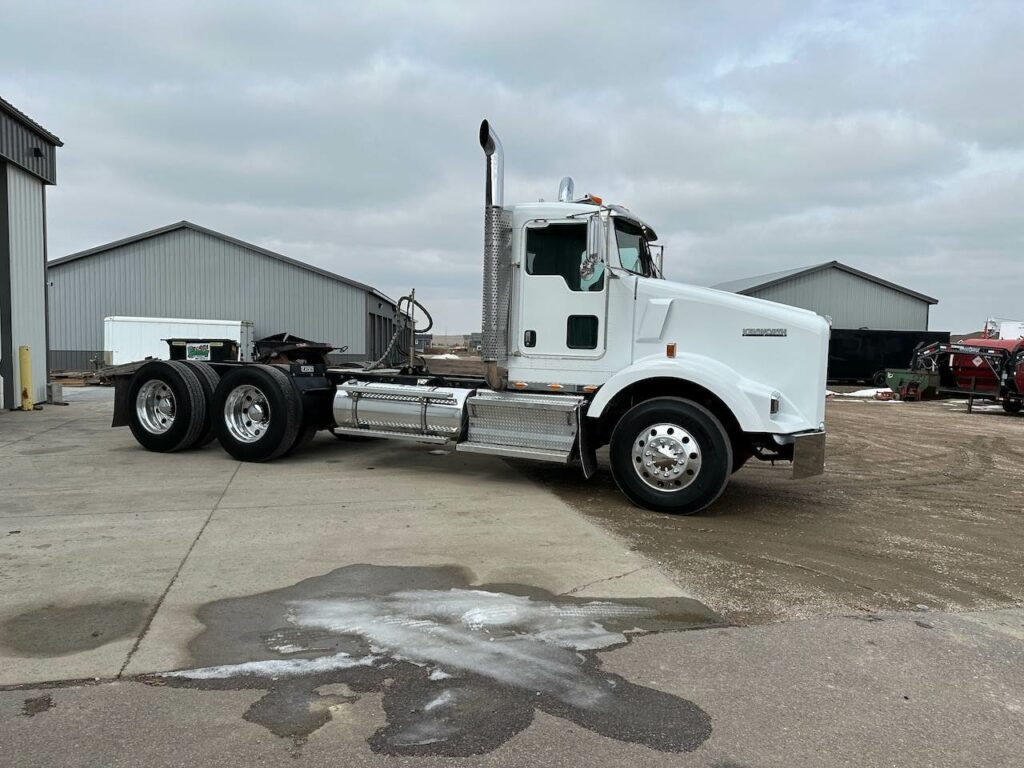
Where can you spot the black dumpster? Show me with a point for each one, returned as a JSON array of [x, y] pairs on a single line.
[[863, 355]]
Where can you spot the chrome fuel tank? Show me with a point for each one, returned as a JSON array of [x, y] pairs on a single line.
[[399, 410]]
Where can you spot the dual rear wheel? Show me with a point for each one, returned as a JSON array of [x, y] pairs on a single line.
[[254, 411]]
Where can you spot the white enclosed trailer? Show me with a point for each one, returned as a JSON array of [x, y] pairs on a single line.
[[999, 328], [128, 339], [584, 343]]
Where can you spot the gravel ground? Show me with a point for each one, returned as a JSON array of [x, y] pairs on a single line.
[[920, 507]]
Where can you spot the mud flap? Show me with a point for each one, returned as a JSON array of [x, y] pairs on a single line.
[[585, 450], [122, 409], [808, 455]]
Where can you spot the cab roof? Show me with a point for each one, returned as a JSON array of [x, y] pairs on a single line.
[[559, 210]]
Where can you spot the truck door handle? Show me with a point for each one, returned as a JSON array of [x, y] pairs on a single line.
[[530, 339]]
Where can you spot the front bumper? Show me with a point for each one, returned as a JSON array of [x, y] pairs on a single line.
[[808, 455]]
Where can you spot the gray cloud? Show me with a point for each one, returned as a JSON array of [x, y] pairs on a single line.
[[754, 136]]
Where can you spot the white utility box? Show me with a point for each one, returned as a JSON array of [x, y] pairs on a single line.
[[129, 339]]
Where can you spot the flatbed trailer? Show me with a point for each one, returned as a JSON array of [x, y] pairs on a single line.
[[585, 344]]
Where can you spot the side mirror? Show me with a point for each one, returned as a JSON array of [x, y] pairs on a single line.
[[594, 231], [591, 260]]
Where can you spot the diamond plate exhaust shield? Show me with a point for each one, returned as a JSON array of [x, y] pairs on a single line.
[[497, 258]]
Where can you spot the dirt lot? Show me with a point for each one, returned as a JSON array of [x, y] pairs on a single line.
[[921, 506]]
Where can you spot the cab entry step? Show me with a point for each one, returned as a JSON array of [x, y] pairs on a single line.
[[522, 424]]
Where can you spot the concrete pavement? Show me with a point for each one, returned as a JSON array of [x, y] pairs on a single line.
[[91, 521], [835, 692]]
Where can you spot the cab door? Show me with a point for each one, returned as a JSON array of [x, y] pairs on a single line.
[[564, 292]]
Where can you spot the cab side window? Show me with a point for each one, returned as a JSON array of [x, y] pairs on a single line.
[[633, 252], [561, 249]]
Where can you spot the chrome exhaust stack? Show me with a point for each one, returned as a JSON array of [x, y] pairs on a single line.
[[494, 195], [566, 189], [497, 262]]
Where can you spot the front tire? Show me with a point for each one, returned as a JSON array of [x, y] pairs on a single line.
[[258, 413], [671, 455], [1012, 406]]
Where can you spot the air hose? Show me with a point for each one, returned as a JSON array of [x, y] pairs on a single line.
[[409, 302]]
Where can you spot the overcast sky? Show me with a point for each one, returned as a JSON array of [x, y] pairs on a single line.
[[754, 137]]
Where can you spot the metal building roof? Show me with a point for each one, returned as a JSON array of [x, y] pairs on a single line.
[[26, 144], [748, 284], [15, 113], [220, 235]]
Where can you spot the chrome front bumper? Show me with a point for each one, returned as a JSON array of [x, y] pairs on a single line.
[[808, 455]]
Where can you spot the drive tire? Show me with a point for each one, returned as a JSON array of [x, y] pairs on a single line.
[[677, 421], [276, 394], [181, 424], [208, 380]]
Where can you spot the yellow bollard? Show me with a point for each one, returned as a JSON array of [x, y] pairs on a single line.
[[25, 363]]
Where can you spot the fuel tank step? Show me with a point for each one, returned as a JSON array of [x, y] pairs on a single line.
[[522, 424]]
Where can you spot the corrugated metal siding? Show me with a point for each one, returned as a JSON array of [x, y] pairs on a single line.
[[16, 144], [851, 301], [28, 265], [191, 274], [380, 327]]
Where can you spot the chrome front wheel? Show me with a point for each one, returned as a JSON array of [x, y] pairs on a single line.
[[247, 413], [670, 454], [666, 457]]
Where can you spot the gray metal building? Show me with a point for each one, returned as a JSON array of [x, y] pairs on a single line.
[[853, 299], [28, 165], [187, 271]]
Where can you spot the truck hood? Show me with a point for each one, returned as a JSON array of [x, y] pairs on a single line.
[[765, 344]]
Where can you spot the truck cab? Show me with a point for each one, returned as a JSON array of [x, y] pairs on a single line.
[[575, 302], [594, 315]]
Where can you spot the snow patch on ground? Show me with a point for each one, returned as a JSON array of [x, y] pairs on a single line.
[[866, 392], [276, 668], [511, 639], [508, 638]]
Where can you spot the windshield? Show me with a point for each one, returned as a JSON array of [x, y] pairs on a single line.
[[634, 254]]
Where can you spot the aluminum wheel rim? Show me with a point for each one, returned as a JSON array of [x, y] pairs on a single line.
[[155, 406], [247, 413], [666, 457]]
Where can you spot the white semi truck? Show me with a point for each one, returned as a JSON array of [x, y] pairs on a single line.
[[585, 344]]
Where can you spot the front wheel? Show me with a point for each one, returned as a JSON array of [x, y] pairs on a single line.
[[1012, 406], [671, 455]]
